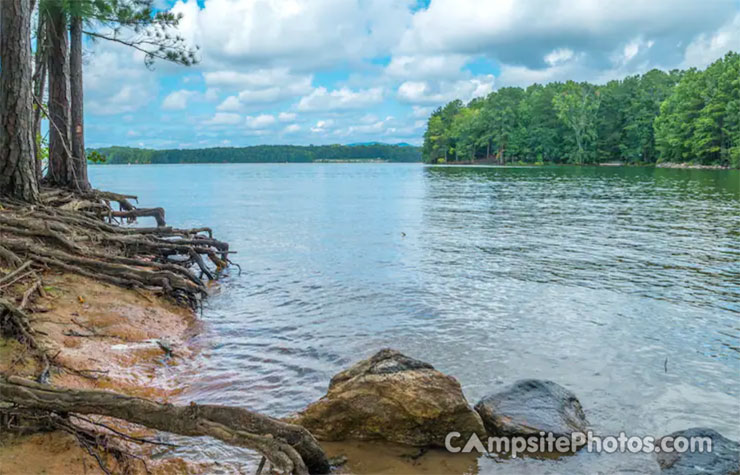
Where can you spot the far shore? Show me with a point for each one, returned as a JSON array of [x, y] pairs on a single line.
[[494, 163], [482, 162]]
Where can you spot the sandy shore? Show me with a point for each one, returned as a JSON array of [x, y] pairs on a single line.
[[104, 337]]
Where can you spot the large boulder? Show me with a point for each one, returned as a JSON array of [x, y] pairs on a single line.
[[531, 406], [724, 459], [395, 398]]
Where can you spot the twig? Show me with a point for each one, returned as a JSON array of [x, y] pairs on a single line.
[[15, 272], [123, 435]]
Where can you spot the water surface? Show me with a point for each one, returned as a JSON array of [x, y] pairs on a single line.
[[596, 278]]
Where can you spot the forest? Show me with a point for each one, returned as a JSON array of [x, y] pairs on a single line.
[[684, 117], [262, 154]]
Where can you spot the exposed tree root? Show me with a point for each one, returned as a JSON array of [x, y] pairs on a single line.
[[289, 448], [80, 233], [70, 232]]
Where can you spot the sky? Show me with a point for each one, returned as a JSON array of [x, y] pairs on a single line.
[[348, 71]]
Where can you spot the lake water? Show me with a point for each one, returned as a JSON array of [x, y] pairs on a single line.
[[590, 277]]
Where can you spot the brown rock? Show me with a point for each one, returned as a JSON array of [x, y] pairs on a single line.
[[395, 398]]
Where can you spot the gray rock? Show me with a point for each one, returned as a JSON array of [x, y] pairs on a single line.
[[395, 398], [530, 406], [724, 459]]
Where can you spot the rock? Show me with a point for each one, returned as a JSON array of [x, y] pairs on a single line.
[[724, 459], [530, 406], [395, 398]]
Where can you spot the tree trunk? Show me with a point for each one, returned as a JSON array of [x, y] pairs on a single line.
[[17, 172], [79, 161], [39, 89], [289, 447], [60, 171]]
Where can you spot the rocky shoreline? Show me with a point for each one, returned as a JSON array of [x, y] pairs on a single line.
[[395, 398], [389, 398]]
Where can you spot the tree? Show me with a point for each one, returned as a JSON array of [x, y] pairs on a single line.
[[674, 116], [464, 133], [17, 170], [699, 121], [60, 171], [576, 106], [79, 158], [133, 23], [435, 139]]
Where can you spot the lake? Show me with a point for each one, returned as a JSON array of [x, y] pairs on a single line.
[[622, 284]]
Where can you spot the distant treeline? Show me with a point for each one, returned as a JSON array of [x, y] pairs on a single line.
[[680, 116], [263, 154]]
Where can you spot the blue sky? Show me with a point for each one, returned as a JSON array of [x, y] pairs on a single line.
[[344, 71]]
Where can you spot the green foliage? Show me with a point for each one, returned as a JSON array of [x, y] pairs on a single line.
[[43, 147], [700, 120], [94, 156], [577, 106], [260, 154], [134, 23], [679, 116]]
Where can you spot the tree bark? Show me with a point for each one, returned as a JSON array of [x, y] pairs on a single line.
[[289, 447], [79, 161], [60, 170], [17, 172]]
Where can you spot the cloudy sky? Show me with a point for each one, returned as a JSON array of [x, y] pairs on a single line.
[[344, 71]]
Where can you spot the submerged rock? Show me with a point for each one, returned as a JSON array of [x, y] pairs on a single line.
[[395, 398], [530, 406], [724, 459]]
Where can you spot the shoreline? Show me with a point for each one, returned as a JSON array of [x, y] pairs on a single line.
[[494, 164], [106, 338], [114, 333], [486, 163]]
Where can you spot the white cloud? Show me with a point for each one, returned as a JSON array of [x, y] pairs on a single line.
[[559, 56], [178, 100], [212, 94], [256, 79], [523, 31], [291, 129], [263, 86], [260, 121], [706, 48], [426, 67], [230, 104], [322, 126], [299, 33], [321, 99], [224, 118], [427, 92], [421, 112], [287, 116], [128, 90]]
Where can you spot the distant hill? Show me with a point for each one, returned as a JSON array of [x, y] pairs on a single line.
[[400, 144], [265, 154]]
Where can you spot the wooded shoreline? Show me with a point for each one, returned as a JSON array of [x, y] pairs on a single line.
[[494, 163], [690, 116]]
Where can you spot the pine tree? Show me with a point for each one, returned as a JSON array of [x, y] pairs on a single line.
[[17, 170]]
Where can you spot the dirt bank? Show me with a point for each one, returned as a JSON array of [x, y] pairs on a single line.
[[102, 337]]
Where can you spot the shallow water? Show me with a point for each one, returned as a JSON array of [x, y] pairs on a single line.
[[591, 277]]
